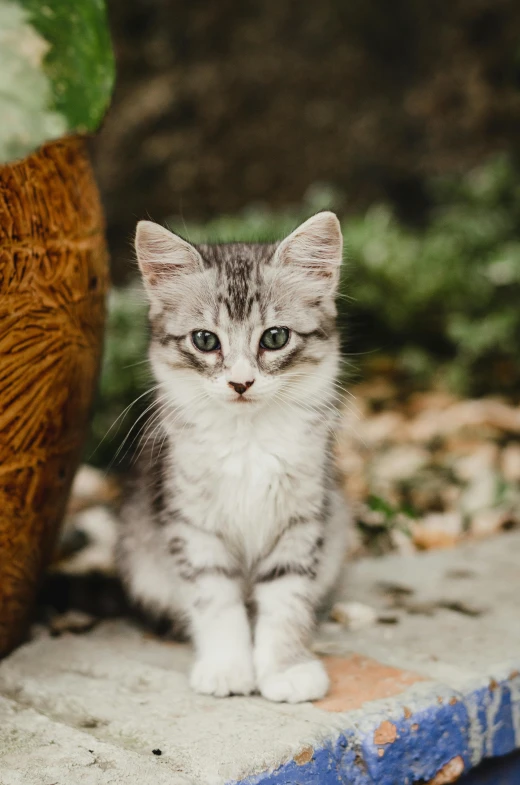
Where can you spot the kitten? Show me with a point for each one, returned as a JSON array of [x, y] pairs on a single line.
[[235, 526]]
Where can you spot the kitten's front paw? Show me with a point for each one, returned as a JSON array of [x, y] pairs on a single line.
[[221, 679], [305, 681]]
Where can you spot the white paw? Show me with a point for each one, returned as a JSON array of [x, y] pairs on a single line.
[[306, 681], [235, 677]]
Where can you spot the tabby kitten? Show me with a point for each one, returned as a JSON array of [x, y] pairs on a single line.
[[235, 526]]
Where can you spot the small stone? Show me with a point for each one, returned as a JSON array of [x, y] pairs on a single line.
[[461, 445], [91, 487], [425, 427], [402, 542], [89, 722], [388, 618], [438, 530], [420, 608], [395, 591], [399, 463], [38, 631], [486, 415], [330, 627], [72, 621], [367, 516], [488, 522], [481, 461], [430, 401], [510, 462], [461, 606], [502, 416], [384, 427], [480, 494], [353, 615]]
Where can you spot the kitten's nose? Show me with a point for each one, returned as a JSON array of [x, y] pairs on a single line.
[[239, 387]]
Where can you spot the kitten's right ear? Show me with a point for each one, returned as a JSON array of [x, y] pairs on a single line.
[[163, 255], [315, 249]]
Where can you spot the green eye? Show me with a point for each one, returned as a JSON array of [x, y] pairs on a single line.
[[274, 338], [205, 341]]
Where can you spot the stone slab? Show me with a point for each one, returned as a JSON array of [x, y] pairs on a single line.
[[422, 695]]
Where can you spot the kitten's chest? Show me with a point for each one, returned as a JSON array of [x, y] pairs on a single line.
[[246, 485]]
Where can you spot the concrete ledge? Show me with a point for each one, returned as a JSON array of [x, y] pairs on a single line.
[[422, 695]]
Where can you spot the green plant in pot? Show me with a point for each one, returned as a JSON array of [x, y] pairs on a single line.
[[56, 76]]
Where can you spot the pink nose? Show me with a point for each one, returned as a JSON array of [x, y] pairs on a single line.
[[239, 387]]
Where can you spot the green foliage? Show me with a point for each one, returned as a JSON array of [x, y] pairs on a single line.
[[446, 298], [56, 71], [441, 302], [124, 378]]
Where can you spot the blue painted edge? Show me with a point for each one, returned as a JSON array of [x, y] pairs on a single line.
[[495, 771], [425, 742]]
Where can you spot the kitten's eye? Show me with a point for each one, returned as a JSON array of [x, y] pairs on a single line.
[[274, 338], [205, 341]]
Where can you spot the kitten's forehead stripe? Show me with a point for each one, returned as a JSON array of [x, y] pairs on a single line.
[[239, 274]]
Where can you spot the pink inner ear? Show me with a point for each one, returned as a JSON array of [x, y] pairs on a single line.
[[161, 254], [320, 256], [155, 271], [317, 248]]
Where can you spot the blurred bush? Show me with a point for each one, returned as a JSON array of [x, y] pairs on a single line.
[[220, 104], [438, 305]]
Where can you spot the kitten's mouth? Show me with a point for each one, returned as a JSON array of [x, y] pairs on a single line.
[[243, 399]]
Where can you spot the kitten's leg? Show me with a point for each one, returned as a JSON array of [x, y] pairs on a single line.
[[213, 603], [286, 593]]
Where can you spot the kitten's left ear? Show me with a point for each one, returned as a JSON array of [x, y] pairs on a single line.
[[162, 254], [316, 247]]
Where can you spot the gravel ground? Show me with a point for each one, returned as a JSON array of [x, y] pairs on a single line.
[[428, 470]]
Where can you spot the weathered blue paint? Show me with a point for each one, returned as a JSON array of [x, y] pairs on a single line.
[[425, 742], [503, 739]]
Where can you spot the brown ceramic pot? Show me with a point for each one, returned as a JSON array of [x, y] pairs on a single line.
[[53, 280]]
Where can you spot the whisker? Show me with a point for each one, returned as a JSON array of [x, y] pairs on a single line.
[[141, 435], [130, 431], [147, 392], [133, 365]]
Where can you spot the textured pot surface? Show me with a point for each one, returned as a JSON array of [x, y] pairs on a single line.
[[53, 280]]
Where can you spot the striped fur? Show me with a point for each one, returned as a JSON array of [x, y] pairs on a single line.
[[235, 528]]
